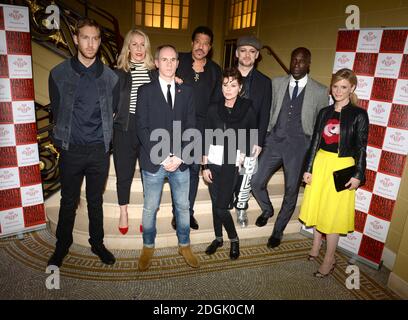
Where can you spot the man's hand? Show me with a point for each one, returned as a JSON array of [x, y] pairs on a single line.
[[171, 164]]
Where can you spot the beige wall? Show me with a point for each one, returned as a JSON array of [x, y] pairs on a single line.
[[43, 61], [285, 25]]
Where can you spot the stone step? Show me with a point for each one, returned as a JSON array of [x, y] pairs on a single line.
[[202, 203], [166, 236], [277, 178]]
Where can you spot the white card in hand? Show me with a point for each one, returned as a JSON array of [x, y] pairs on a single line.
[[215, 154]]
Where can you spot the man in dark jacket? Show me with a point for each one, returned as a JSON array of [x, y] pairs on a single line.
[[204, 75], [83, 93], [258, 88], [175, 105]]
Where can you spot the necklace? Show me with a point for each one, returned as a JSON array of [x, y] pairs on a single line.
[[196, 76]]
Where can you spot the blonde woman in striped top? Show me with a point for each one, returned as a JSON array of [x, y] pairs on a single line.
[[135, 67]]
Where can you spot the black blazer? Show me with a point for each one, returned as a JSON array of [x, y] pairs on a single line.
[[153, 112], [121, 120], [261, 95]]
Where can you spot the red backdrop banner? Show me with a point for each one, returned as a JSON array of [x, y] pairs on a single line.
[[379, 57], [21, 196]]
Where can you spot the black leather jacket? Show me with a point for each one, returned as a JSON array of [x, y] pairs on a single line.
[[353, 137]]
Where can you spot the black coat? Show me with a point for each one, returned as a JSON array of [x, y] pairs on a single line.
[[243, 116], [353, 137], [261, 95]]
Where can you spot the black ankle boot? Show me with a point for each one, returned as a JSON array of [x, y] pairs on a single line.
[[104, 254], [234, 250], [212, 248]]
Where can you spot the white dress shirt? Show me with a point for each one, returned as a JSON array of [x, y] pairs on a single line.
[[301, 84], [163, 85]]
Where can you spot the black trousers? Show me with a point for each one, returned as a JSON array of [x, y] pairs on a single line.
[[91, 162], [126, 148], [221, 216], [289, 153]]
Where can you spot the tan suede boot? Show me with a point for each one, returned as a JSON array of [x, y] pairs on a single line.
[[189, 256], [145, 259]]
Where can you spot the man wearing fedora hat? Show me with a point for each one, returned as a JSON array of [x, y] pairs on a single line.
[[256, 87]]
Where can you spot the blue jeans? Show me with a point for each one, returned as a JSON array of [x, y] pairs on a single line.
[[153, 187]]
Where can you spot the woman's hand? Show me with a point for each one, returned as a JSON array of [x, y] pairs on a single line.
[[307, 178], [353, 184], [256, 150], [207, 175]]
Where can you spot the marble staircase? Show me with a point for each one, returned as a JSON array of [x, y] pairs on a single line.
[[166, 236]]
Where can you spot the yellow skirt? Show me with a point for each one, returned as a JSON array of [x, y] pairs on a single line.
[[323, 207]]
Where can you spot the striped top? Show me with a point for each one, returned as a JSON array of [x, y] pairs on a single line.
[[140, 76]]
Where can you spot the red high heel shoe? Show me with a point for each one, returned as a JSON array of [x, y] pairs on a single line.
[[123, 230]]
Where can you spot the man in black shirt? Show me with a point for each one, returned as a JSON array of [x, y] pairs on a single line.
[[204, 75], [83, 94]]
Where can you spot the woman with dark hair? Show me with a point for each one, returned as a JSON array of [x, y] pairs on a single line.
[[134, 68], [339, 141], [222, 155]]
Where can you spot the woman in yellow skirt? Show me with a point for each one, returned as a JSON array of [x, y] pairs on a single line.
[[339, 141]]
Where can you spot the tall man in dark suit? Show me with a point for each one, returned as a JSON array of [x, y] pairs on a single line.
[[256, 87], [204, 75], [296, 101], [162, 105]]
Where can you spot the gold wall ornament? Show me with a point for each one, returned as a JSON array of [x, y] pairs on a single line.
[[42, 165], [58, 38], [34, 7], [52, 148], [104, 60]]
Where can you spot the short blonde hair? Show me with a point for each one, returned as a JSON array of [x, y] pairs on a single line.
[[124, 57], [350, 76]]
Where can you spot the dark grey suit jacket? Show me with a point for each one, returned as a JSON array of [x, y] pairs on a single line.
[[316, 98]]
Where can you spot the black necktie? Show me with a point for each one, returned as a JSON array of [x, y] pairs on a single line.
[[169, 100], [295, 91]]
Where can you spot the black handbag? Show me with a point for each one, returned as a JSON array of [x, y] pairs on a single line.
[[341, 177]]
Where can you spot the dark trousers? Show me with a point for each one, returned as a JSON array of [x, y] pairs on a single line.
[[126, 148], [290, 153], [91, 162], [221, 216]]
